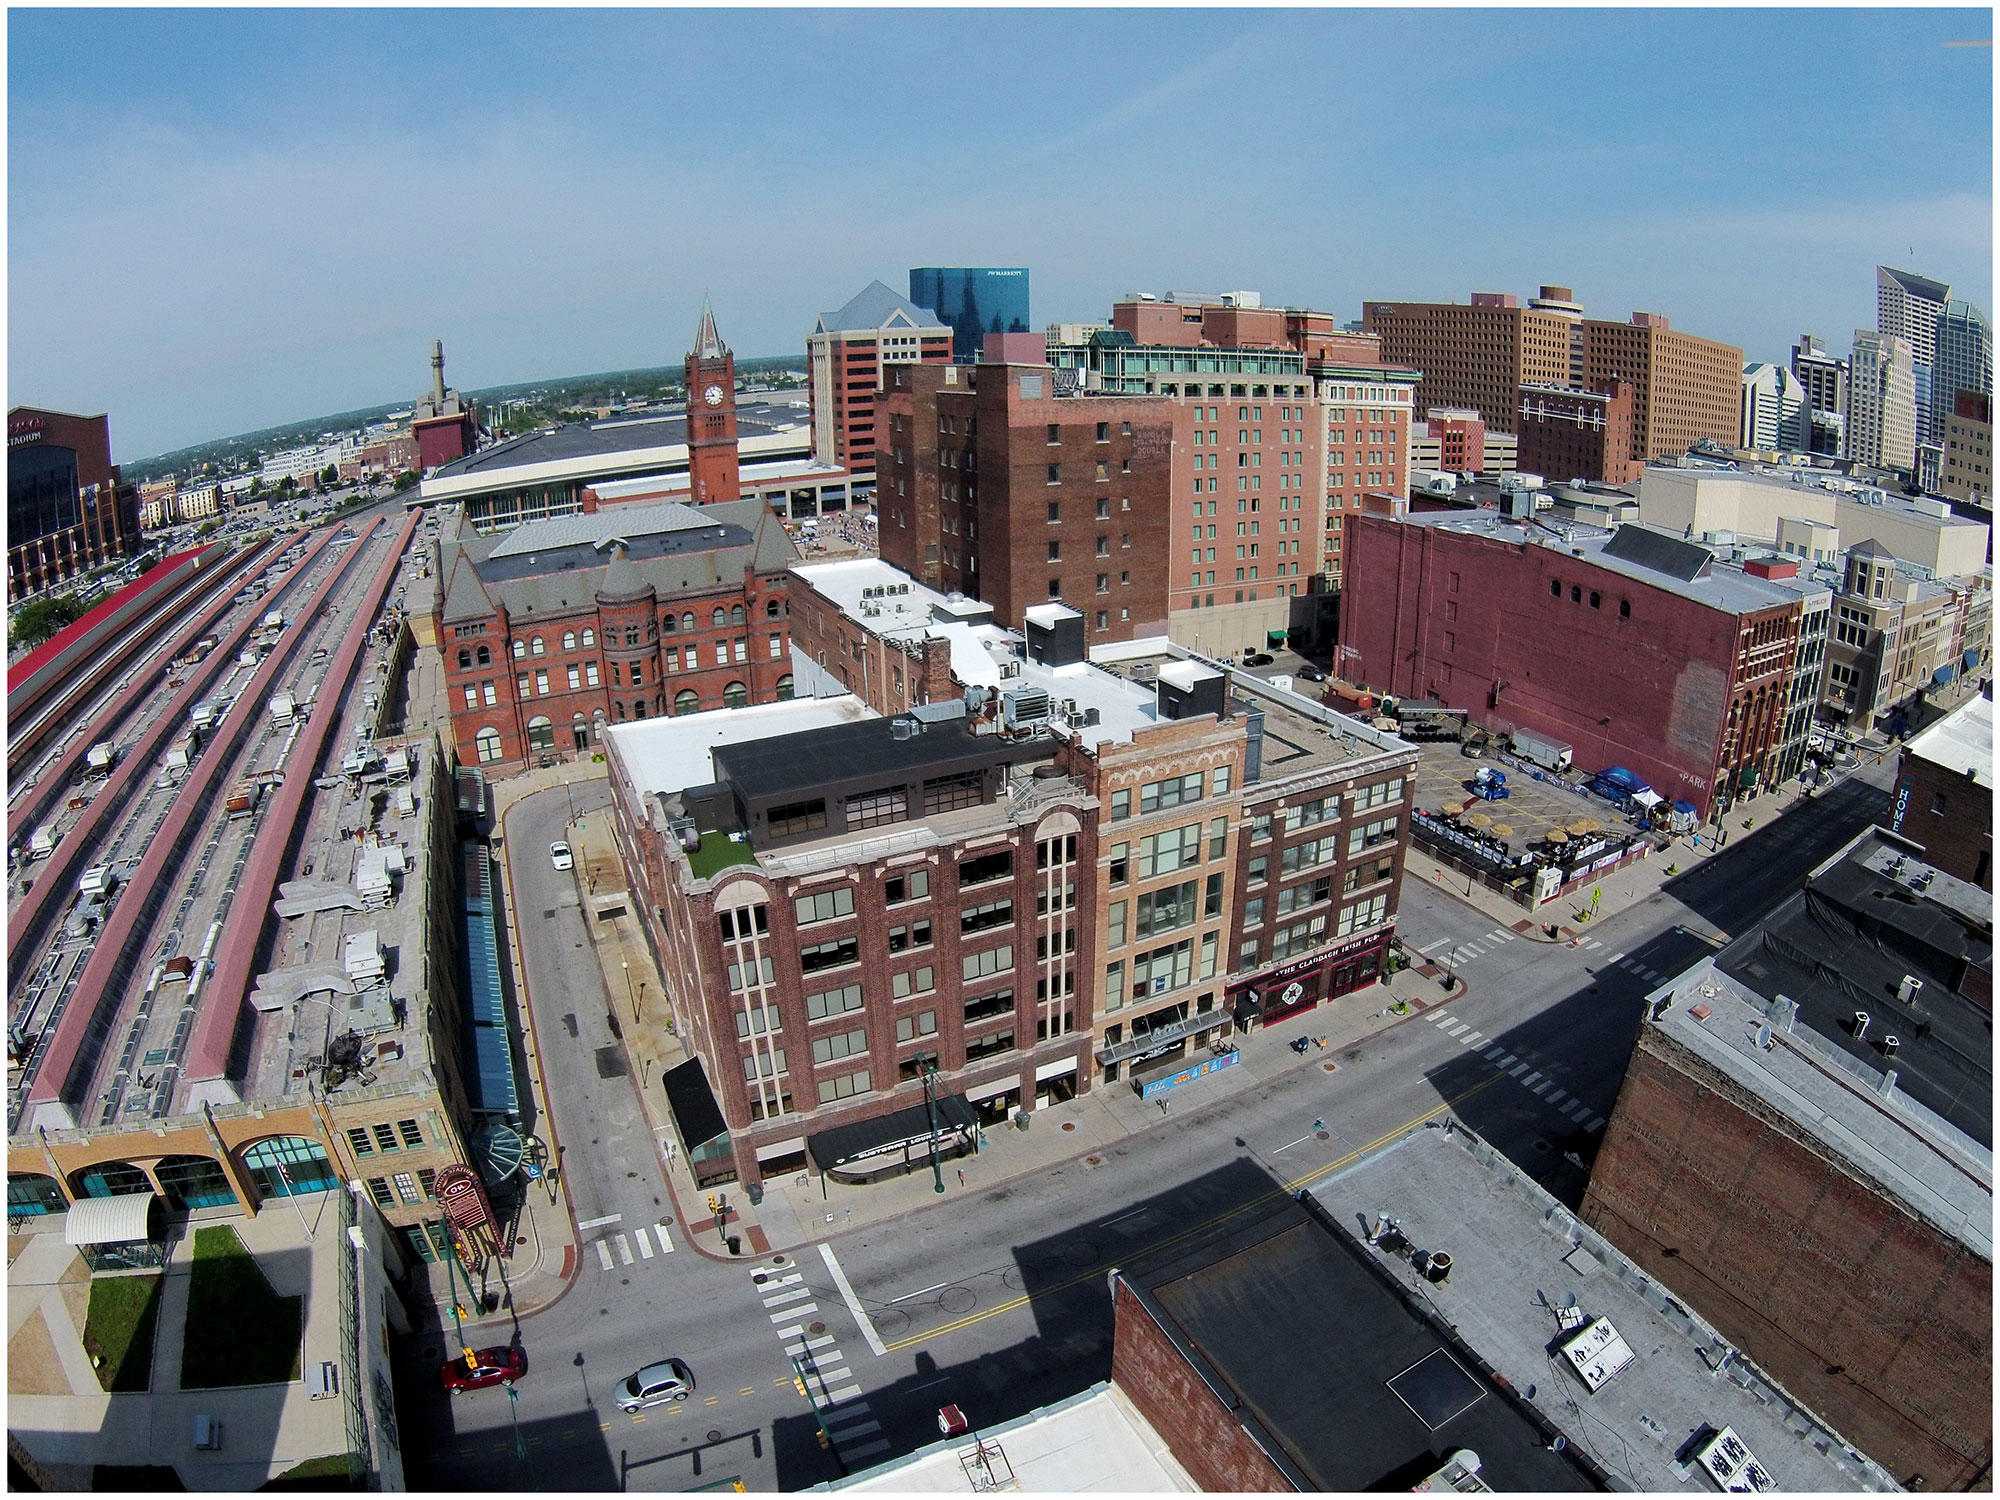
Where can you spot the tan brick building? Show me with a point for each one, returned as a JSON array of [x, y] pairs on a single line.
[[1684, 388], [1476, 356]]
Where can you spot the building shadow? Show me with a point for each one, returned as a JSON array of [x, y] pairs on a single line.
[[1750, 876]]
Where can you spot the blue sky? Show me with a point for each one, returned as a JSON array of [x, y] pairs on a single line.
[[220, 220]]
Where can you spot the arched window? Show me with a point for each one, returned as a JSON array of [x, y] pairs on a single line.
[[112, 1179], [667, 624], [785, 688], [193, 1182], [631, 635], [520, 648], [687, 701], [736, 695], [589, 636], [618, 711], [289, 1164], [770, 609], [541, 733], [464, 658], [488, 743], [639, 708], [716, 617], [485, 657], [687, 619], [579, 731], [736, 614], [569, 640], [30, 1193], [535, 647]]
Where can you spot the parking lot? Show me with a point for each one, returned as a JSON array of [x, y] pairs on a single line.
[[1530, 810]]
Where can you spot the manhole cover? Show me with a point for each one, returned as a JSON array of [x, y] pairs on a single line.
[[1541, 1145], [1323, 1135], [431, 1351], [777, 1260], [715, 1434], [956, 1300], [1329, 1067], [521, 1239], [815, 1329], [1069, 1124], [760, 1278], [1093, 1161]]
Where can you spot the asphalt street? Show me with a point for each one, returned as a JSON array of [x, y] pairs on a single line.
[[997, 1299]]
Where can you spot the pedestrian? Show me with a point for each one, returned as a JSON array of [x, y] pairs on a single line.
[[961, 1177], [1165, 1106]]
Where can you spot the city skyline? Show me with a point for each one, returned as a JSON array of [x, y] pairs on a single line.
[[552, 194]]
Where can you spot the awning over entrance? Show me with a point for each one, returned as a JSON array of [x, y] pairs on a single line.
[[693, 1103], [844, 1145], [108, 1221], [1151, 1043]]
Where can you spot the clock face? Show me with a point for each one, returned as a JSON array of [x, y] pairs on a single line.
[[713, 395]]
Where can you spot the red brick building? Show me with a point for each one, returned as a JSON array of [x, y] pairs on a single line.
[[849, 355], [1461, 439], [714, 467], [444, 424], [1635, 647], [1567, 433], [67, 511], [1943, 797], [993, 485], [556, 628]]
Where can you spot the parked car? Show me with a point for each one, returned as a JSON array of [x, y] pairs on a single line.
[[1312, 674], [656, 1384], [1258, 659], [560, 856], [490, 1367]]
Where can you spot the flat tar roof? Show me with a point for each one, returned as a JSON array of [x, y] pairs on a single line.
[[1354, 1386], [1518, 1259], [1961, 741], [672, 754]]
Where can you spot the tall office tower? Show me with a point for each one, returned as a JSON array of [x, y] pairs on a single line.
[[849, 353], [1824, 376], [1881, 401], [1908, 306], [1478, 356], [1964, 359], [1684, 388], [974, 301], [1774, 409]]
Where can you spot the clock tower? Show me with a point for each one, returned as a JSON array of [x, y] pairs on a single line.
[[711, 416]]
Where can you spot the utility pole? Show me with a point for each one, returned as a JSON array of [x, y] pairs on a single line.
[[930, 1112]]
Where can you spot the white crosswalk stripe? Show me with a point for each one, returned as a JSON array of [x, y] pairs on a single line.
[[645, 1245], [1556, 1096], [624, 1249], [1456, 1028], [867, 1450], [845, 1392], [604, 1254], [842, 1408], [1500, 935], [1542, 1087], [796, 1310], [797, 1347], [1472, 1039], [1616, 958], [1594, 1124], [790, 1294], [666, 1242], [859, 1429]]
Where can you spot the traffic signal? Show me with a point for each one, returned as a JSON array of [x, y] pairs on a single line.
[[800, 1384], [825, 1442]]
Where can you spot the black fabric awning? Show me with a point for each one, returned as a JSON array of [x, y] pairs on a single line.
[[693, 1103], [885, 1133]]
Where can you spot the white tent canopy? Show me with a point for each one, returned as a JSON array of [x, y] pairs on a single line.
[[108, 1221]]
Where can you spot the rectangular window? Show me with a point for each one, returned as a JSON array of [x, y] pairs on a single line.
[[909, 1028], [833, 1002], [1055, 851], [777, 647], [1114, 984], [764, 1063], [828, 1049], [824, 906], [1114, 936], [575, 678], [984, 918], [1370, 834], [989, 1046], [406, 1188], [913, 886], [831, 955], [357, 1137], [991, 961], [757, 1020], [986, 1007], [982, 868], [914, 982], [1121, 805], [791, 818], [1165, 910], [385, 1138], [745, 922], [590, 674], [378, 1188], [411, 1133], [948, 793], [873, 809], [1157, 795], [492, 697], [1163, 969], [1363, 914], [910, 935], [742, 976], [844, 1087]]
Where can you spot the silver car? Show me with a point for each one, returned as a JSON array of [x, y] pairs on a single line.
[[655, 1385]]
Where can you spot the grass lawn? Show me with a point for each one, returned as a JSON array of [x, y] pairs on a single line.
[[328, 1473], [118, 1330], [239, 1331], [718, 852]]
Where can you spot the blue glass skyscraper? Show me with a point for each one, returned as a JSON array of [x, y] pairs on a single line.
[[973, 301]]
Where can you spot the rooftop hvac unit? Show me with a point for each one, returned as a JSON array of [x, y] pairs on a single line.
[[902, 729], [1023, 706], [1091, 716], [1908, 990], [1010, 669]]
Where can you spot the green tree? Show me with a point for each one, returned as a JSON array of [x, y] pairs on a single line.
[[39, 619], [405, 479], [287, 484], [256, 485], [330, 476]]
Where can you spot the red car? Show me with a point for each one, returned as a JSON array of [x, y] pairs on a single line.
[[489, 1367]]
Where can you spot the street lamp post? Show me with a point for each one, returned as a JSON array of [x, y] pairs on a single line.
[[626, 965], [930, 1112]]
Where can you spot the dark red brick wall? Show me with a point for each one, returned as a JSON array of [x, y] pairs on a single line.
[[1205, 1439], [1876, 1320], [1469, 620], [1947, 812]]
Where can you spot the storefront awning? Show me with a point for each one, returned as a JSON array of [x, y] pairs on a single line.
[[1162, 1036], [845, 1144], [108, 1221], [1944, 674], [693, 1104]]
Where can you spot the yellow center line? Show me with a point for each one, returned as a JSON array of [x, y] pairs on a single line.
[[1285, 1191]]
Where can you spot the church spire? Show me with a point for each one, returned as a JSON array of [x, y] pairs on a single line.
[[707, 342]]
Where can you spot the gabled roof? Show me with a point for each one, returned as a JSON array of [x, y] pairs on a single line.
[[876, 306], [1869, 547], [1661, 553], [465, 597]]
